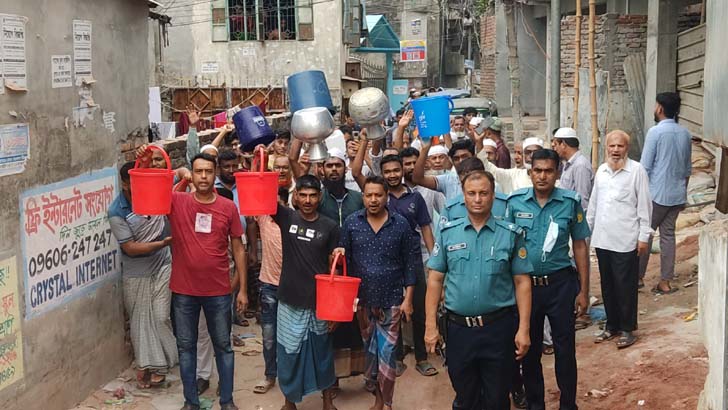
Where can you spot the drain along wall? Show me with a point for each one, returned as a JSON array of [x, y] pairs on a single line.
[[54, 352]]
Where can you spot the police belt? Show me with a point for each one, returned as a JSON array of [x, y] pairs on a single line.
[[480, 320], [553, 277]]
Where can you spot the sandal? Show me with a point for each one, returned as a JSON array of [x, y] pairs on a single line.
[[604, 336], [548, 350], [160, 380], [400, 369], [264, 385], [143, 377], [626, 340], [426, 368], [659, 292]]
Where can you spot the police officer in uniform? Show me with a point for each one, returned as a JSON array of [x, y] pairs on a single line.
[[484, 266], [549, 216], [455, 207]]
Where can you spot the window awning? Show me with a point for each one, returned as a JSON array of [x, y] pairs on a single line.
[[381, 37]]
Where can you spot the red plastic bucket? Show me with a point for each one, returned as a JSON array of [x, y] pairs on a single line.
[[336, 295], [257, 191], [151, 188]]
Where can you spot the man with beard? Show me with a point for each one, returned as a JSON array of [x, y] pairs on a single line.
[[337, 203], [619, 215], [666, 157], [403, 200], [381, 249], [304, 353], [549, 217], [457, 130], [577, 174]]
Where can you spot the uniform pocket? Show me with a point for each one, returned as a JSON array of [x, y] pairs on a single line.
[[457, 261]]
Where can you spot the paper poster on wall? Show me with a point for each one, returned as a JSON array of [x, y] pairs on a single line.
[[412, 50], [82, 51], [68, 248], [13, 52], [11, 341], [210, 67], [14, 148], [61, 72]]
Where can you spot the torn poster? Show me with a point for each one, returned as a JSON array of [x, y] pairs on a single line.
[[61, 73], [109, 120], [82, 51], [86, 107], [14, 148], [13, 52]]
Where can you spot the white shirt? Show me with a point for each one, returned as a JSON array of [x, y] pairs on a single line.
[[620, 208], [510, 179]]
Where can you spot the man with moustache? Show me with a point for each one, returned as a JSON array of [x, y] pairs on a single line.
[[619, 217], [512, 179], [382, 250]]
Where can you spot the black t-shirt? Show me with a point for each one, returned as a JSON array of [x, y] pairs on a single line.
[[306, 249]]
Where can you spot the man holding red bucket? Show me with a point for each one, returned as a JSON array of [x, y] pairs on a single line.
[[382, 250], [305, 352]]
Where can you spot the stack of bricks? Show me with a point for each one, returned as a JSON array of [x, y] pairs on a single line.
[[176, 148], [488, 56], [615, 37]]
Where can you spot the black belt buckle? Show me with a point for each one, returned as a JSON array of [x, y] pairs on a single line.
[[540, 280], [474, 321]]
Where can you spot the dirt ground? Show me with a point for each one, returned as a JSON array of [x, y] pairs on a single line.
[[665, 369]]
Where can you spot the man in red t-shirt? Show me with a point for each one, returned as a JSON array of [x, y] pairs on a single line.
[[201, 224]]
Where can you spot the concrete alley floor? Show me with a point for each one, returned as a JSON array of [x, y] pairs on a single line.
[[664, 370]]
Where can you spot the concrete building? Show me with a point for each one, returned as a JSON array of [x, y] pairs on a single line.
[[259, 43], [62, 321]]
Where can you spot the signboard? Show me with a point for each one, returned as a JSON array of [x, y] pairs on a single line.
[[14, 148], [11, 340], [412, 50], [68, 248], [210, 67]]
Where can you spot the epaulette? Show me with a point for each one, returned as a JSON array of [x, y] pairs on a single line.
[[454, 222], [510, 226], [518, 192]]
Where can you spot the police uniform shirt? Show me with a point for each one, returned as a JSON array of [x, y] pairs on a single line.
[[455, 208], [479, 266], [564, 209]]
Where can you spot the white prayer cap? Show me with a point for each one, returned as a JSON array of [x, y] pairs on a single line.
[[532, 141], [437, 150], [335, 152], [207, 147], [490, 143], [566, 133]]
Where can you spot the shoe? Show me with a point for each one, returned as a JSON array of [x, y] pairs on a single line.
[[519, 398], [202, 386], [229, 406], [188, 406]]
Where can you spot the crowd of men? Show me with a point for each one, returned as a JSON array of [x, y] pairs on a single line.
[[479, 252]]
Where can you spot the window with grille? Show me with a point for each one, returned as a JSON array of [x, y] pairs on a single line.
[[246, 20]]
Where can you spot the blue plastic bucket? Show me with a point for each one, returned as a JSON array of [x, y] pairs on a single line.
[[432, 115], [309, 89], [252, 128]]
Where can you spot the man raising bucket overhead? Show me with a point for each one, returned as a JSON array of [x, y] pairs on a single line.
[[304, 350]]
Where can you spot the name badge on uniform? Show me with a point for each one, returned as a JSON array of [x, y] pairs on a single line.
[[526, 215], [203, 223], [457, 247], [293, 229]]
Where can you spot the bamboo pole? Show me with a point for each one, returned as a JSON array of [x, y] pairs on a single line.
[[577, 64], [513, 66], [593, 86]]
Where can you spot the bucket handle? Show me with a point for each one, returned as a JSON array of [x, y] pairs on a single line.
[[450, 102], [164, 154], [333, 266], [261, 160]]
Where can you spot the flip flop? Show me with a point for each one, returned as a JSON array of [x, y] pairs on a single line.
[[626, 340], [400, 369], [657, 291], [604, 336], [263, 386], [548, 350], [158, 383], [426, 368]]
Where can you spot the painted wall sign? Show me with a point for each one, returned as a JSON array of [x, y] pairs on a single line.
[[11, 340], [412, 50], [68, 248]]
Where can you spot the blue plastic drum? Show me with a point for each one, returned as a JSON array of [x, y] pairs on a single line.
[[309, 89], [252, 128]]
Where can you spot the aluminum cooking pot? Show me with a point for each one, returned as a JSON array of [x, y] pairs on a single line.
[[312, 126], [369, 107]]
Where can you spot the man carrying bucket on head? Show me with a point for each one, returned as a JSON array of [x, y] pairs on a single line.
[[382, 250], [304, 350]]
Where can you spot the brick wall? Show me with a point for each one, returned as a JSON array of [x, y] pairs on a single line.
[[488, 56], [616, 37]]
